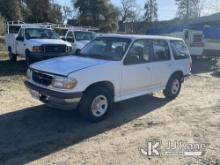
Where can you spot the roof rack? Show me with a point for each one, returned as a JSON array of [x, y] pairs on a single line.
[[69, 27], [16, 25]]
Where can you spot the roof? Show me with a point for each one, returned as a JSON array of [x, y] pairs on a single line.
[[135, 37]]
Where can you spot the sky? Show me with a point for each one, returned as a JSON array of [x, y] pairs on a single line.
[[166, 8]]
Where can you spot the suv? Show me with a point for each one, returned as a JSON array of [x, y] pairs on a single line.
[[110, 69], [35, 43]]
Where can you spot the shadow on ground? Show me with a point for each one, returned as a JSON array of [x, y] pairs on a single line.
[[33, 133], [8, 68]]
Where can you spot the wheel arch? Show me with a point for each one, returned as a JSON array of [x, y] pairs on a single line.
[[177, 73], [105, 84]]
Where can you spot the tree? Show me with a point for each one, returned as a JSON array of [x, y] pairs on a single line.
[[43, 11], [11, 9], [151, 9], [55, 13], [2, 26], [128, 10], [188, 9], [98, 13]]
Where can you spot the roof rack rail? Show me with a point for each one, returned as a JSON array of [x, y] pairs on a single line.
[[69, 27], [18, 24]]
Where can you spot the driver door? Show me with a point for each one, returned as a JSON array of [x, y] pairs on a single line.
[[136, 74], [20, 43], [70, 38]]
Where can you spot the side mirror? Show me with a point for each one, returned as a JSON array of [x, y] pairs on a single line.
[[131, 60], [20, 39]]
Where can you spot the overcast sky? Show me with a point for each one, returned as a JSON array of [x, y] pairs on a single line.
[[167, 8]]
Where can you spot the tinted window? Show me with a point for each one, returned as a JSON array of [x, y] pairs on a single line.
[[140, 52], [179, 49], [161, 50]]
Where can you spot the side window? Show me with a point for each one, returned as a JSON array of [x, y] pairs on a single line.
[[140, 52], [70, 37], [21, 34], [180, 51], [161, 50]]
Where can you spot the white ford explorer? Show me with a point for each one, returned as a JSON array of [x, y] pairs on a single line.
[[110, 69]]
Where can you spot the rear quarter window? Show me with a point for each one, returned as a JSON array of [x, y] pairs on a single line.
[[179, 49]]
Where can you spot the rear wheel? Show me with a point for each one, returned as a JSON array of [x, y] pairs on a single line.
[[95, 104], [12, 57], [173, 87]]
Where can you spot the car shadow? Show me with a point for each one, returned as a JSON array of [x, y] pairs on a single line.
[[29, 134], [8, 68]]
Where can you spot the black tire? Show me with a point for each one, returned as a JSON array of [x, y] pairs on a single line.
[[12, 57], [173, 87], [29, 61], [86, 104]]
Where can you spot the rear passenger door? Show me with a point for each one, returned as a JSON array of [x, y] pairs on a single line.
[[161, 67]]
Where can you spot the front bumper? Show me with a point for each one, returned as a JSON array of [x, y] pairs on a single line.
[[54, 99]]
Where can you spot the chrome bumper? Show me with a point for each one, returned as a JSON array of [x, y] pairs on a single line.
[[54, 99]]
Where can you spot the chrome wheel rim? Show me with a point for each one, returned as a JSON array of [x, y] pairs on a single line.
[[175, 87], [99, 105]]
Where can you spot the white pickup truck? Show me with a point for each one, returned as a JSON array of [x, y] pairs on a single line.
[[35, 43], [77, 37], [110, 69]]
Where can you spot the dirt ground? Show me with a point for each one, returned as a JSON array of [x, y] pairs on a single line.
[[31, 133]]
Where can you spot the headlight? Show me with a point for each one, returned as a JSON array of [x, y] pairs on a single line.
[[37, 49], [29, 74], [64, 82], [69, 49]]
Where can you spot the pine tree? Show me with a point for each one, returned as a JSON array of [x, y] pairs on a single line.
[[98, 13], [151, 9], [188, 9]]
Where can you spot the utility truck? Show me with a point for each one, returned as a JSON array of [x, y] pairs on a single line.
[[78, 36], [34, 42]]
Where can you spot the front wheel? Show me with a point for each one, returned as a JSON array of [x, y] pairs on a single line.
[[173, 87], [95, 104], [29, 60], [12, 57]]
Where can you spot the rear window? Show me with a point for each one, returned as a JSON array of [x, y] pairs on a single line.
[[161, 50], [180, 50]]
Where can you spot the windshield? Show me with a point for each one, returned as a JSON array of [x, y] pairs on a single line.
[[84, 36], [37, 33], [108, 48]]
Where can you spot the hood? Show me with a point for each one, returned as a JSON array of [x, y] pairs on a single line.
[[66, 65], [40, 42]]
